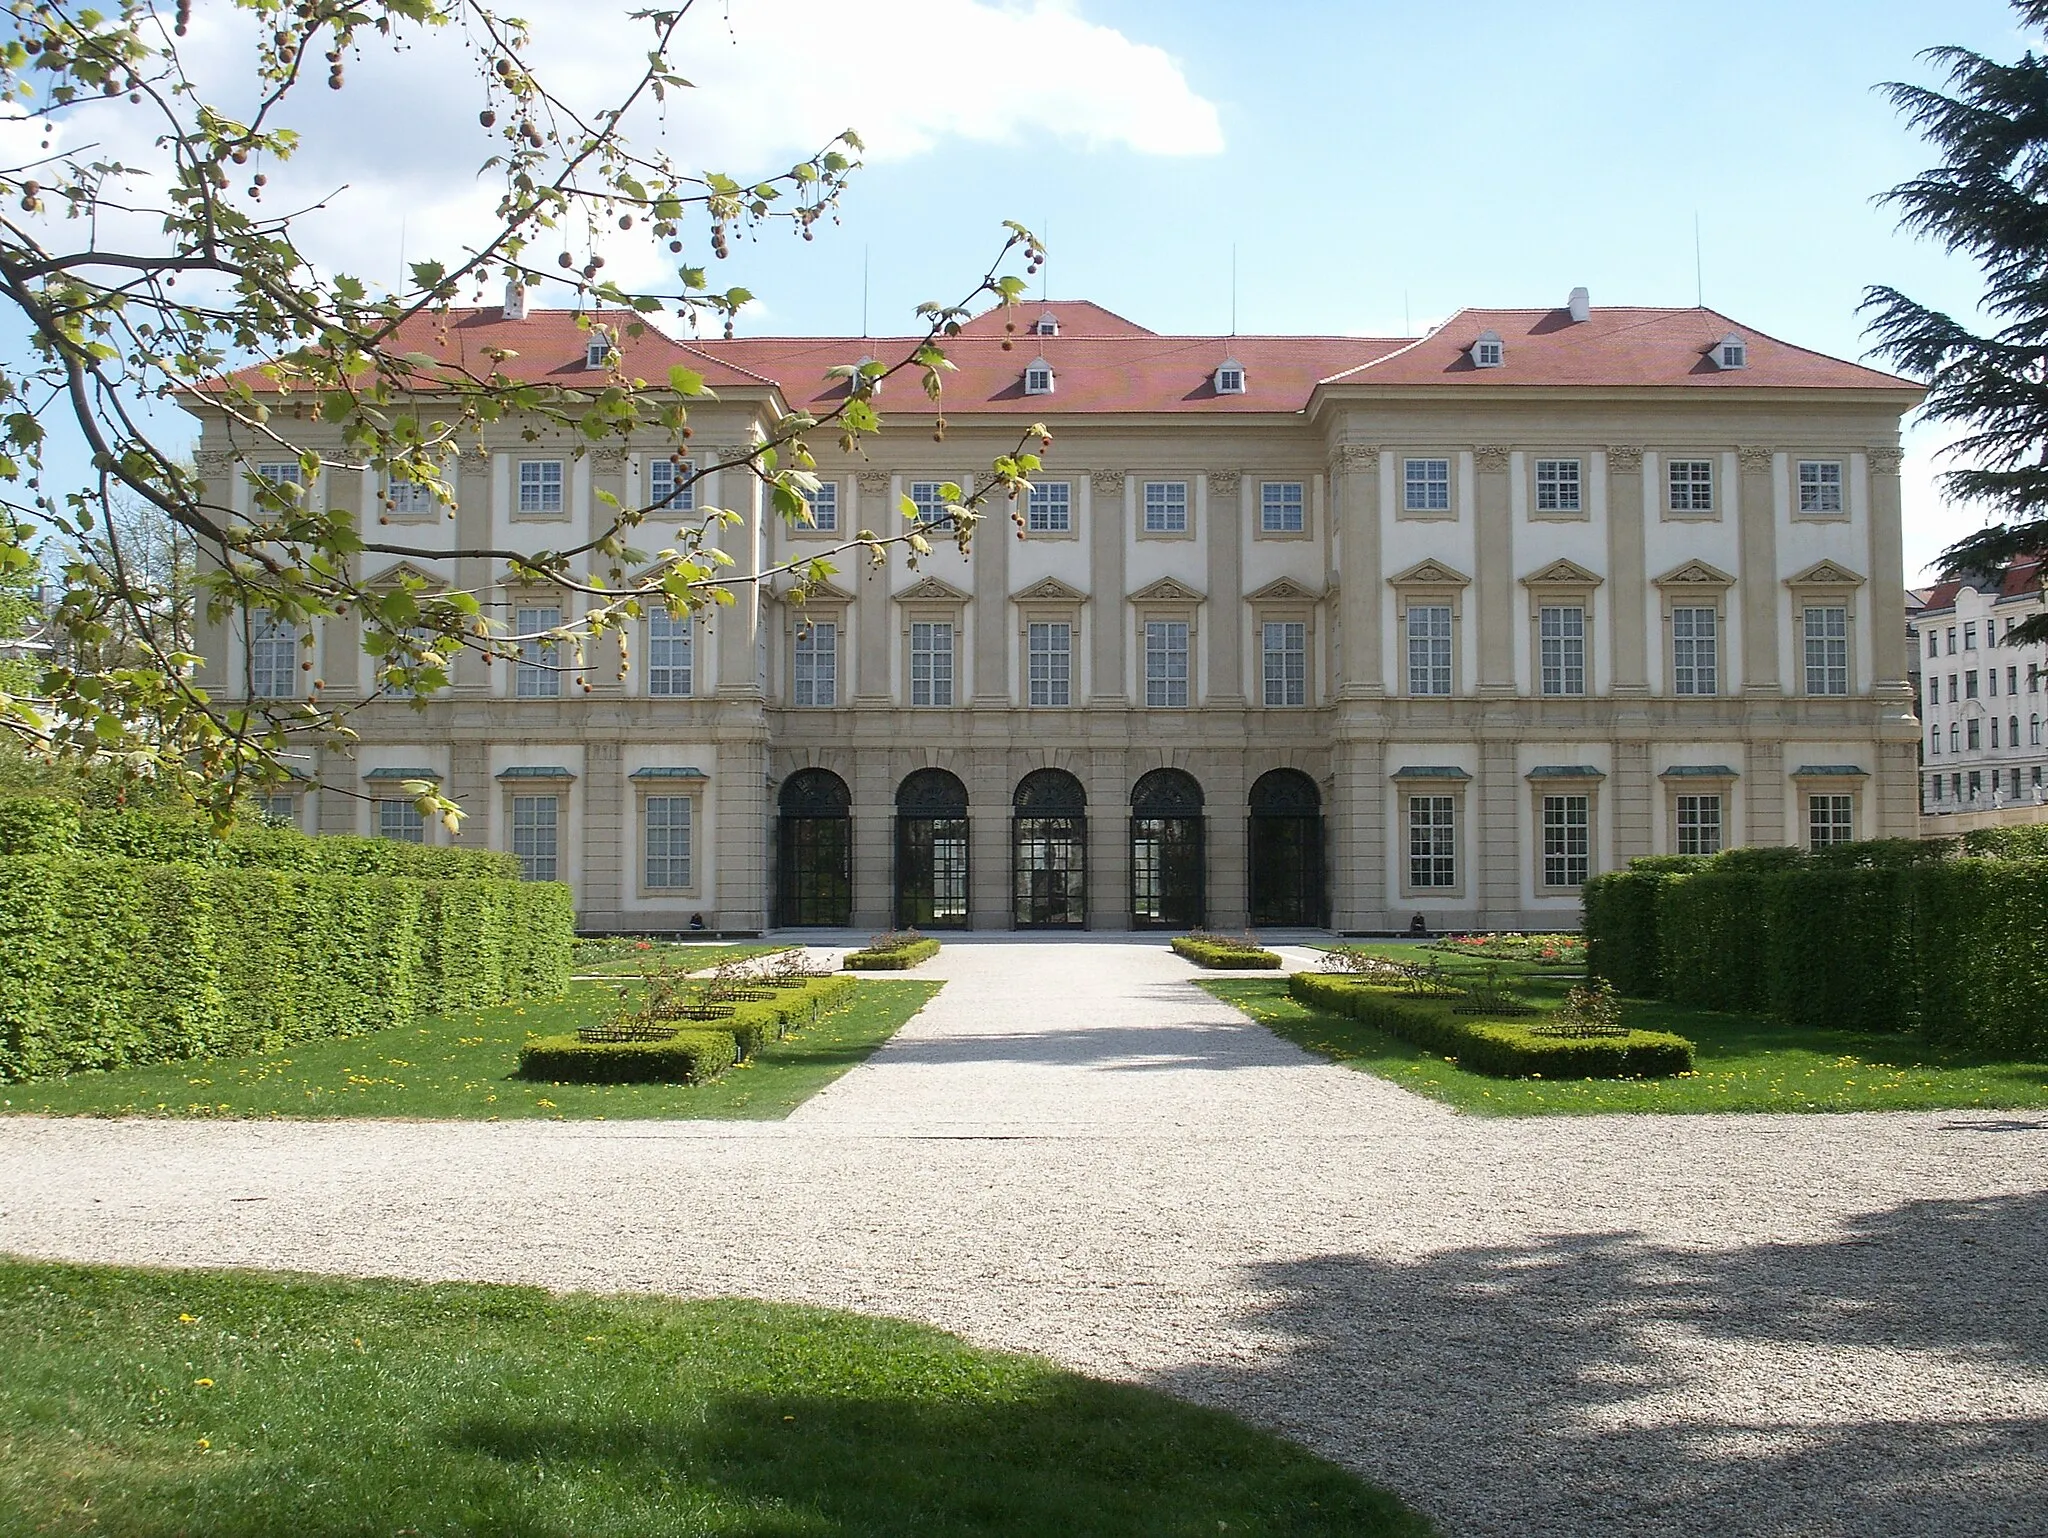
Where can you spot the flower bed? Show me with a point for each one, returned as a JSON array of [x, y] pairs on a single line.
[[895, 952], [1223, 952], [1500, 1049], [686, 1055], [1559, 950]]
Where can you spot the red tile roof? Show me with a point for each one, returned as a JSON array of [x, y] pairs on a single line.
[[1104, 363], [2022, 579]]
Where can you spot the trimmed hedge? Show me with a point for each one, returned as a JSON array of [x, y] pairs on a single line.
[[110, 962], [1891, 936], [1495, 1048], [1211, 953], [900, 958], [688, 1057]]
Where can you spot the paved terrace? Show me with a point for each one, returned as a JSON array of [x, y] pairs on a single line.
[[1827, 1325]]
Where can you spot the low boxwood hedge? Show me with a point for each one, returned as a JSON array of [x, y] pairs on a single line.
[[1206, 951], [688, 1057], [571, 1060], [1497, 1048], [895, 958]]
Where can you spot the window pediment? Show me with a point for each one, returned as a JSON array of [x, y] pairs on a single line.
[[1430, 574], [1049, 590], [820, 594], [1695, 575], [1563, 573], [1824, 574], [405, 574], [1167, 591], [1284, 590], [932, 590]]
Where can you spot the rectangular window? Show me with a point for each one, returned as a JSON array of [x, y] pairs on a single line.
[[1432, 842], [273, 658], [668, 842], [670, 665], [401, 821], [1820, 487], [1934, 742], [1691, 485], [1050, 508], [1166, 663], [1827, 651], [1563, 637], [1557, 486], [817, 663], [1991, 682], [1973, 733], [1933, 692], [2012, 679], [1699, 824], [1695, 651], [931, 662], [1426, 485], [281, 472], [1934, 784], [824, 505], [669, 485], [540, 485], [1567, 840], [930, 504], [1970, 636], [408, 499], [1969, 684], [537, 676], [535, 826], [2033, 678], [1976, 783], [1049, 647], [1285, 647], [1166, 507], [1951, 640], [1281, 507], [1429, 649], [281, 807], [1830, 820], [1933, 645]]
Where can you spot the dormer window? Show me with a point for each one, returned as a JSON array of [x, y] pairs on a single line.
[[1230, 377], [1488, 352], [1038, 378], [1730, 352], [598, 349], [1047, 324], [860, 373]]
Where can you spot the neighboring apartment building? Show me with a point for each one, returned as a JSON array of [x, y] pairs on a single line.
[[1984, 698], [1301, 630]]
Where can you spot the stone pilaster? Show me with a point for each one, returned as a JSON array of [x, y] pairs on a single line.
[[473, 573], [469, 787], [1357, 837], [1635, 802], [1759, 591], [1106, 518], [1109, 840], [1495, 838], [1764, 783], [1225, 619], [1627, 576], [870, 684], [992, 612], [607, 863], [988, 839], [743, 857], [874, 838], [1887, 603], [1495, 612], [607, 474], [1355, 489], [737, 630]]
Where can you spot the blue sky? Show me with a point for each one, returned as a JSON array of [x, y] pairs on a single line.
[[1374, 165]]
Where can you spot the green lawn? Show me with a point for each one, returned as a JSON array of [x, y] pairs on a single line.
[[154, 1404], [688, 958], [1741, 1064], [462, 1067]]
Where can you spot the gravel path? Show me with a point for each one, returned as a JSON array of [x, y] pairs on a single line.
[[1827, 1325]]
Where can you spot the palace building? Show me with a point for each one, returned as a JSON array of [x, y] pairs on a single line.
[[1297, 631]]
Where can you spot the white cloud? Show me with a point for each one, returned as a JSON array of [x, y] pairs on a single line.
[[774, 81]]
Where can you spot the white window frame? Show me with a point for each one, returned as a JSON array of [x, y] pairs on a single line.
[[597, 348], [823, 503], [930, 503], [1564, 839], [1831, 813], [274, 657], [669, 477], [528, 814], [1166, 507], [400, 821], [1432, 651], [1826, 655], [1038, 379], [544, 493], [1165, 640], [407, 499], [932, 653], [1283, 507], [1431, 864], [1705, 831], [671, 655], [1688, 493], [666, 860], [1049, 664], [537, 675], [1560, 488], [1230, 379], [814, 663], [1426, 485], [1049, 508], [1690, 676], [1820, 494], [1283, 662], [1562, 650]]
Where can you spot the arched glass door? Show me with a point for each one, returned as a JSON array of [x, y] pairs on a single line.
[[1284, 839], [931, 851], [1049, 851], [1168, 889], [814, 851]]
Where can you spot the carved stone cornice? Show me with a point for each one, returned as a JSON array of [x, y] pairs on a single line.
[[873, 483], [1106, 481], [1491, 456], [1886, 461], [1754, 457], [1355, 456], [1624, 457]]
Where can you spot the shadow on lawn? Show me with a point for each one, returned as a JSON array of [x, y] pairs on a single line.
[[1599, 1383]]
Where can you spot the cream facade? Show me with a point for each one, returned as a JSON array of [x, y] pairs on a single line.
[[1982, 697], [1352, 642]]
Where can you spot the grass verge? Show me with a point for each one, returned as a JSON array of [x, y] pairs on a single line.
[[1740, 1064], [462, 1067], [216, 1403], [686, 958]]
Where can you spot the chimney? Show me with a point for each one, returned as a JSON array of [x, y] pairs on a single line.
[[515, 299], [1580, 304]]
